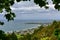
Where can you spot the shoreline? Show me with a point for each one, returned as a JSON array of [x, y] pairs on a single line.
[[24, 30], [27, 30]]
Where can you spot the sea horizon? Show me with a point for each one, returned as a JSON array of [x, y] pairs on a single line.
[[18, 25]]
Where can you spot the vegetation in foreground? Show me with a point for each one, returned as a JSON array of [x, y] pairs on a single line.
[[49, 32]]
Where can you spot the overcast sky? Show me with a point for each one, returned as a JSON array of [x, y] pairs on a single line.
[[28, 10]]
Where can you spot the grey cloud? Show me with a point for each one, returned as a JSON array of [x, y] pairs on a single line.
[[24, 4]]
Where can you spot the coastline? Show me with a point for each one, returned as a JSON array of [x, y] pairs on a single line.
[[25, 31]]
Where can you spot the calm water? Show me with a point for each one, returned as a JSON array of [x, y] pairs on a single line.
[[21, 25]]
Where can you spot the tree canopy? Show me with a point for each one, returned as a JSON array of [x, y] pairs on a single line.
[[5, 4]]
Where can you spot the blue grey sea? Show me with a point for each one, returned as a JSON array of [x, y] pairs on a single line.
[[18, 25]]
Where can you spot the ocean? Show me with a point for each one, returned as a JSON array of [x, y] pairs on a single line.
[[18, 25]]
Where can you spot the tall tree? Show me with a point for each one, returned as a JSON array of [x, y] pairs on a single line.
[[2, 35]]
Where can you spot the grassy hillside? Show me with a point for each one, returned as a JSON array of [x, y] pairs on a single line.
[[49, 32]]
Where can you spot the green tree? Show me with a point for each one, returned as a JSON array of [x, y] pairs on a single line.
[[57, 33], [27, 36], [2, 35], [35, 38], [8, 37], [13, 36]]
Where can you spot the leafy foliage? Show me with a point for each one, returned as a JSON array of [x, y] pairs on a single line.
[[57, 33], [11, 37], [2, 35], [1, 23], [10, 16], [57, 4], [41, 3]]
